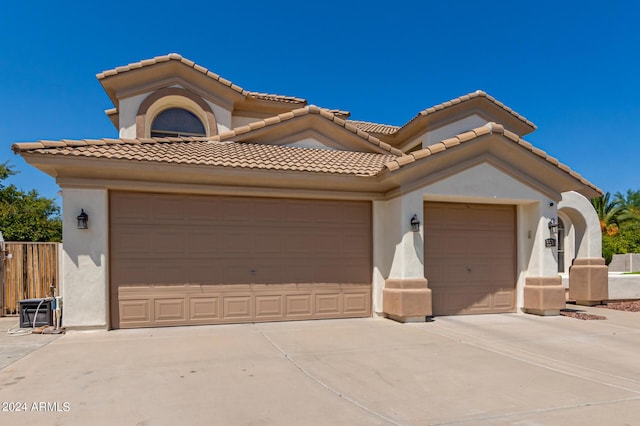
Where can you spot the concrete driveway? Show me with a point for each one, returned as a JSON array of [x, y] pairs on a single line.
[[488, 369]]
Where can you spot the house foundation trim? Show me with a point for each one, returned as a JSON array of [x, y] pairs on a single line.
[[543, 295], [407, 300], [589, 281]]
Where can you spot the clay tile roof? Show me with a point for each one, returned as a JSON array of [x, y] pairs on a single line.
[[311, 109], [203, 70], [489, 128], [467, 97], [383, 129], [218, 153], [278, 98]]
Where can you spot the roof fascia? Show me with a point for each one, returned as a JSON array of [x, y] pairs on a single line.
[[273, 129], [479, 105], [149, 79], [545, 174], [408, 184], [96, 171]]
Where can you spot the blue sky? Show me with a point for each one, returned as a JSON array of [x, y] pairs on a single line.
[[571, 67]]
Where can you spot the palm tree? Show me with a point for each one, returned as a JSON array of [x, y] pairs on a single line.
[[609, 212], [629, 216]]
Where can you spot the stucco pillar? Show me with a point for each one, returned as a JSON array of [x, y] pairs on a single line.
[[543, 291], [589, 281], [85, 288], [406, 296], [543, 295]]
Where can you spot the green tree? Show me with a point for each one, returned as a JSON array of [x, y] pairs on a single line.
[[608, 211], [629, 217], [27, 216]]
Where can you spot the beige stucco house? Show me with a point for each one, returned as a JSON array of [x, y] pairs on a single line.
[[221, 205]]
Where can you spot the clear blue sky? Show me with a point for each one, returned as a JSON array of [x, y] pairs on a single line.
[[571, 67]]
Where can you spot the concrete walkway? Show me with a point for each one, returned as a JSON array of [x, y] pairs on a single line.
[[480, 370], [15, 344]]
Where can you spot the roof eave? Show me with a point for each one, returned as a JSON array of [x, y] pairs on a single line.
[[402, 166]]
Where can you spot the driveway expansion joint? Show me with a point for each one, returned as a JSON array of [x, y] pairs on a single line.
[[322, 383]]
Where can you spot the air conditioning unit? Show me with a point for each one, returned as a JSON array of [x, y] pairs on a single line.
[[38, 309]]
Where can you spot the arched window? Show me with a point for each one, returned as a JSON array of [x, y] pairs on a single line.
[[561, 235], [176, 122]]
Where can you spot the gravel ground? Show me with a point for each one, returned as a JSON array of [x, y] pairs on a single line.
[[628, 306], [573, 313]]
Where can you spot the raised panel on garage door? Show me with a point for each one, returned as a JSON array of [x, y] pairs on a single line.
[[190, 259], [470, 257]]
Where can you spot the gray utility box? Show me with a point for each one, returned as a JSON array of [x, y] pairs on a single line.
[[28, 308]]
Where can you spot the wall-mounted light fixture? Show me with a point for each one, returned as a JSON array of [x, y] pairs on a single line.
[[553, 226], [415, 223], [83, 220]]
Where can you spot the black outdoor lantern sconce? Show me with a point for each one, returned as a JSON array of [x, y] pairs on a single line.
[[415, 223], [83, 220], [553, 230]]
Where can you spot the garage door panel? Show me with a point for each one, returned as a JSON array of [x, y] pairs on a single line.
[[270, 211], [235, 242], [134, 311], [202, 243], [204, 308], [298, 305], [353, 243], [132, 240], [170, 242], [268, 273], [269, 306], [169, 310], [356, 302], [357, 215], [267, 242], [298, 211], [129, 209], [128, 272], [327, 213], [187, 259], [504, 299], [202, 211], [296, 242], [236, 210], [167, 210], [470, 257], [236, 307], [168, 272], [327, 304], [346, 272], [234, 271]]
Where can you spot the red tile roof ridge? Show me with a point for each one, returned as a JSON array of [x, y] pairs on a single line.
[[177, 57], [372, 127], [309, 109], [467, 97], [486, 129]]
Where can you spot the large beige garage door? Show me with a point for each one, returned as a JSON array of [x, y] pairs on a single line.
[[185, 259], [470, 257]]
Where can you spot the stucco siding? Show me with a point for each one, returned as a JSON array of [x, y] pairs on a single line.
[[482, 183], [85, 257]]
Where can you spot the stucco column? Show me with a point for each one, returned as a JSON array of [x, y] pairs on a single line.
[[543, 290], [85, 287], [588, 274], [589, 281], [406, 296]]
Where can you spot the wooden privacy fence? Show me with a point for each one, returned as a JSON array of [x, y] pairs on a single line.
[[29, 270]]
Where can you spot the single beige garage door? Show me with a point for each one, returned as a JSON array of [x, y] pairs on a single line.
[[187, 259], [470, 257]]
